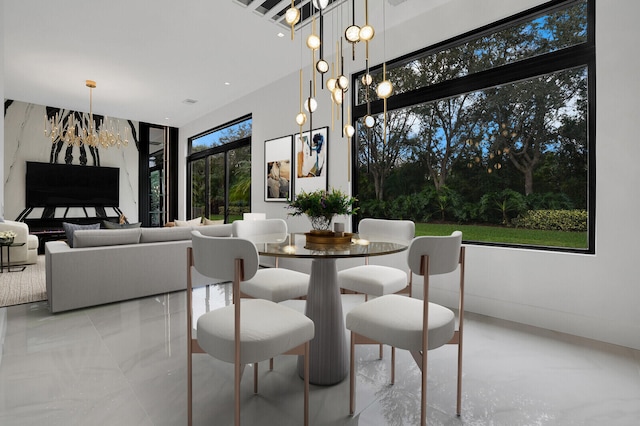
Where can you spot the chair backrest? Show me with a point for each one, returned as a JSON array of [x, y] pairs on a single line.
[[401, 231], [261, 231], [443, 252], [397, 231], [214, 256]]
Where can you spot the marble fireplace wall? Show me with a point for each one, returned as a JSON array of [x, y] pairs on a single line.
[[24, 140]]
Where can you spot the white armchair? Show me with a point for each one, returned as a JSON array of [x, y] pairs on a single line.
[[21, 255]]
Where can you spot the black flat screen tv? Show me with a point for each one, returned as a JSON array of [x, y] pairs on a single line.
[[66, 185]]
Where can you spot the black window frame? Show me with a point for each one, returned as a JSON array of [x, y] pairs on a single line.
[[583, 54]]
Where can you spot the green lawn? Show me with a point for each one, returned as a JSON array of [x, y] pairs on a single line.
[[499, 234], [495, 234], [232, 217]]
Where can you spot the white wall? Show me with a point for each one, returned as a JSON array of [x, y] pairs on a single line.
[[595, 296], [2, 97]]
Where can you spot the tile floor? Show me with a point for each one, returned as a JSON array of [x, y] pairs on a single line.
[[125, 364]]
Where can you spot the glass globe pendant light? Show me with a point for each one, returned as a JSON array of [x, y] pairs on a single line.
[[352, 32], [292, 17], [366, 32], [384, 89], [331, 84], [369, 121], [337, 95], [342, 82], [322, 66], [349, 130], [310, 104], [313, 42], [301, 118], [320, 4]]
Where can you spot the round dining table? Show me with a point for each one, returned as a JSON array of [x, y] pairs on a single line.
[[328, 359]]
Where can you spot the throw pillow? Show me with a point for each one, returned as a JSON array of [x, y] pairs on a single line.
[[112, 225], [70, 228], [193, 222], [206, 221]]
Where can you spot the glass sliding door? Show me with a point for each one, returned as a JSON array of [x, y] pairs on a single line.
[[157, 183], [239, 182], [198, 187], [220, 172], [217, 184]]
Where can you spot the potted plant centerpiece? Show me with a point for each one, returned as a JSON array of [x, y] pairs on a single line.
[[321, 206]]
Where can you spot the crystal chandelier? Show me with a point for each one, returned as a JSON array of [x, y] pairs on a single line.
[[82, 130]]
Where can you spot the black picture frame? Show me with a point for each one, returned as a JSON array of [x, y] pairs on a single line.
[[278, 169], [311, 160]]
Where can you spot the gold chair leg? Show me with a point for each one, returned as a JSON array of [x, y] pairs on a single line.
[[381, 354], [255, 377], [189, 389], [393, 364], [459, 398], [189, 295], [423, 396], [352, 385], [306, 384], [236, 392]]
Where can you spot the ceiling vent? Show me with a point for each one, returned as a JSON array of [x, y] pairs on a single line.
[[275, 9]]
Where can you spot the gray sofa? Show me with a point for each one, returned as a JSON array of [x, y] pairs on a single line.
[[111, 265]]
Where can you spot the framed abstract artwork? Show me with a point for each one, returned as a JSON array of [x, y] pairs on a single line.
[[277, 158], [310, 155]]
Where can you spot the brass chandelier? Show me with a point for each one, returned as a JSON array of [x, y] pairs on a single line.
[[76, 130]]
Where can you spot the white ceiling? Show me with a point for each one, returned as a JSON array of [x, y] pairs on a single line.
[[149, 56]]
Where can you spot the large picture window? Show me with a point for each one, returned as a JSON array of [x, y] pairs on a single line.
[[491, 133], [219, 172]]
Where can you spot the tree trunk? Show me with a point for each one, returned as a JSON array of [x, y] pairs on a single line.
[[528, 181]]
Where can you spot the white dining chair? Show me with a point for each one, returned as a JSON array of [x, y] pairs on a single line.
[[245, 332], [275, 284], [374, 279], [412, 324]]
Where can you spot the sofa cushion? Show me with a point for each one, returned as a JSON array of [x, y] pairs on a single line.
[[71, 228], [153, 235], [107, 224], [193, 222], [105, 237], [224, 230]]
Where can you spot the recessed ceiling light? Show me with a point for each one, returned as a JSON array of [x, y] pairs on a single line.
[[226, 83], [280, 35]]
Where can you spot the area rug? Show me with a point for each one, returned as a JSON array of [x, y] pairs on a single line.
[[23, 287]]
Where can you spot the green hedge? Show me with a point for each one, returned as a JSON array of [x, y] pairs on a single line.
[[553, 220]]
